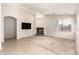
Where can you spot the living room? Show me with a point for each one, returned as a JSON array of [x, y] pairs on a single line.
[[40, 22]]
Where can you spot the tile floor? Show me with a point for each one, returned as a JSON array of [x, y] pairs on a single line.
[[38, 45]]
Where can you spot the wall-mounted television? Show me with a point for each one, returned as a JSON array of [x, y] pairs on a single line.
[[26, 25]]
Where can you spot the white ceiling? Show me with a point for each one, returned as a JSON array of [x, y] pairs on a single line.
[[53, 8]]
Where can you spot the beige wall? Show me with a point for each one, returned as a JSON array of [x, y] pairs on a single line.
[[77, 34], [10, 10], [50, 25], [0, 27], [21, 14]]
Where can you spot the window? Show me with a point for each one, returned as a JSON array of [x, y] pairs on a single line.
[[64, 24]]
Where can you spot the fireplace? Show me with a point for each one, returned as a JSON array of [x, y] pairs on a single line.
[[40, 31]]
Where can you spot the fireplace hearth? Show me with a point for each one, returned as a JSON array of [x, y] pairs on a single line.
[[40, 31]]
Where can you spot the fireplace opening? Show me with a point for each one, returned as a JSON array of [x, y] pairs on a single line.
[[40, 31]]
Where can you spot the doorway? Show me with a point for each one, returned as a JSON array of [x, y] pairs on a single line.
[[9, 28]]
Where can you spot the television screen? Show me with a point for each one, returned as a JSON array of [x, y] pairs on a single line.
[[26, 25]]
